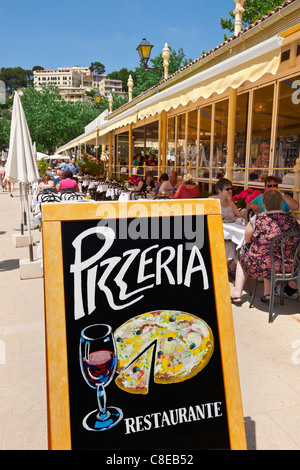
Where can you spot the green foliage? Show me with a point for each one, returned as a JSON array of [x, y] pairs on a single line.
[[52, 121], [4, 133], [122, 74], [254, 10], [145, 79], [97, 67], [91, 167], [42, 166], [15, 77]]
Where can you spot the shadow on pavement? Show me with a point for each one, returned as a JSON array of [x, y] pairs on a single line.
[[250, 433], [9, 264]]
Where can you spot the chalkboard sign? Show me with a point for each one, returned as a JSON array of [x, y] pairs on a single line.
[[139, 333]]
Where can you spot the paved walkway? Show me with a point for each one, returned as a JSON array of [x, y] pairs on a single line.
[[268, 357]]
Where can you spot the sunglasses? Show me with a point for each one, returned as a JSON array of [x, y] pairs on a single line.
[[228, 189], [272, 185]]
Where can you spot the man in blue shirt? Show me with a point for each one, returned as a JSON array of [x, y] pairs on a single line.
[[73, 167], [63, 166], [271, 182]]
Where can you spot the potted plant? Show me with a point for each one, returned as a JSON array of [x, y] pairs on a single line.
[[134, 180], [245, 197], [42, 166], [91, 167]]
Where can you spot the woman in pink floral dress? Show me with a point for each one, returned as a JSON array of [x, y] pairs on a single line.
[[261, 229]]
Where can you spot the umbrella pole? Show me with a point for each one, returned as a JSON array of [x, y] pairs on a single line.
[[28, 225], [22, 208]]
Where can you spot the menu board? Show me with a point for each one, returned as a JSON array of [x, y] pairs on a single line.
[[142, 365]]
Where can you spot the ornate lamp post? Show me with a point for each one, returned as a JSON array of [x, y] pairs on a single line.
[[144, 50], [110, 102], [130, 87], [166, 57], [238, 13]]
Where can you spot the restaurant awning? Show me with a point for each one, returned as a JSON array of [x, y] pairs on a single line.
[[249, 65]]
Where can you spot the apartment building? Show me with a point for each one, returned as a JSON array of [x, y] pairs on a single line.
[[74, 82]]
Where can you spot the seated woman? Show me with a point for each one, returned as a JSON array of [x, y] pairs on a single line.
[[261, 229], [137, 160], [163, 177], [230, 213], [67, 182], [147, 182], [224, 193], [188, 189], [151, 161], [46, 183]]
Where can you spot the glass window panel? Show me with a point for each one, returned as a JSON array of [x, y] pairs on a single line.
[[180, 158], [240, 137], [171, 142], [261, 132], [288, 130], [123, 148], [192, 137], [204, 141], [151, 137], [220, 138]]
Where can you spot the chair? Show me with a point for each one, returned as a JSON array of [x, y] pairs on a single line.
[[250, 213], [48, 195], [70, 194], [282, 277], [135, 195]]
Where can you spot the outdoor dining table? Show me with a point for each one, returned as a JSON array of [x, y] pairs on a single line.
[[234, 231]]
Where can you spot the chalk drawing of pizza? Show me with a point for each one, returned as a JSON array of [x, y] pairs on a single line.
[[174, 345]]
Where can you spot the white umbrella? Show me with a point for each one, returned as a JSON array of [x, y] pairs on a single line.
[[21, 163], [41, 156], [59, 157]]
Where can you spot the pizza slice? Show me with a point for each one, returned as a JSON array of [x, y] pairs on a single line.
[[135, 378]]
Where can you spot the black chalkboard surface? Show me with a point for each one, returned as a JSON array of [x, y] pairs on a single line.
[[144, 344], [187, 415]]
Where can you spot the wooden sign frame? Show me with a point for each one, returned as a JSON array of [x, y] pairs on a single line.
[[59, 429]]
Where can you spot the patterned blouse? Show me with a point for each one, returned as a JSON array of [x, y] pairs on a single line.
[[257, 261]]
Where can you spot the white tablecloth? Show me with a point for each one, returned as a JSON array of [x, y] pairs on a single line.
[[235, 232]]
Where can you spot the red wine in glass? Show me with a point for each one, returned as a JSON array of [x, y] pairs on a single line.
[[99, 367], [98, 363]]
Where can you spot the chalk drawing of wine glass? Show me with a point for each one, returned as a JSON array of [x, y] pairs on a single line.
[[98, 362]]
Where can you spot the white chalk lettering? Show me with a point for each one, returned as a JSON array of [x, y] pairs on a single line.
[[144, 269], [80, 265], [173, 417]]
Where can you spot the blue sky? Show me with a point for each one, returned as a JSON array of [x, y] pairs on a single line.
[[66, 33]]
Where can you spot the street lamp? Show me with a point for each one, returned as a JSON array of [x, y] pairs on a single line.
[[144, 50], [97, 97]]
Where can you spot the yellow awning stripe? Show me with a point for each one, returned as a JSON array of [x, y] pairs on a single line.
[[251, 71]]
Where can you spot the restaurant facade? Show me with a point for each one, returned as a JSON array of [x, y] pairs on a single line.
[[233, 112]]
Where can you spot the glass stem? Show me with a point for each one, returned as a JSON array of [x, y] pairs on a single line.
[[101, 397]]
